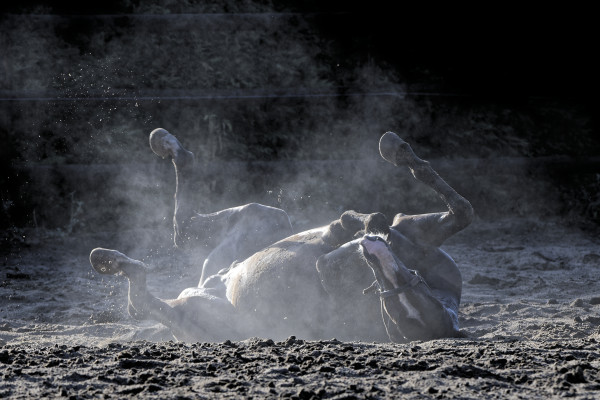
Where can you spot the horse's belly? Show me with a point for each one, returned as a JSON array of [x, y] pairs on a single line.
[[279, 286], [277, 293]]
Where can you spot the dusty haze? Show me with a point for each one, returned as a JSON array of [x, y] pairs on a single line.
[[285, 107]]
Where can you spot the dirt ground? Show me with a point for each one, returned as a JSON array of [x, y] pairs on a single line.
[[530, 310]]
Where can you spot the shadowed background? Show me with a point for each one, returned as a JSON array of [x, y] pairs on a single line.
[[283, 104]]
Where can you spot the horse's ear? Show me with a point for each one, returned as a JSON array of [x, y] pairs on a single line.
[[377, 223]]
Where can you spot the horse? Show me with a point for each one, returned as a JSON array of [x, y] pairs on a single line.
[[356, 278]]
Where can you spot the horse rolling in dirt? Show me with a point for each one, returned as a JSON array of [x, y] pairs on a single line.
[[319, 283]]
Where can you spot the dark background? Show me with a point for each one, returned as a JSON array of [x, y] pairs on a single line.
[[492, 50], [501, 89]]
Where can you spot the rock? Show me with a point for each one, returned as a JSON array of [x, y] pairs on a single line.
[[4, 357], [305, 394], [577, 303], [294, 368], [5, 327], [595, 300]]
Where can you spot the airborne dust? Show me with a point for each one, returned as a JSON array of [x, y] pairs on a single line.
[[275, 114]]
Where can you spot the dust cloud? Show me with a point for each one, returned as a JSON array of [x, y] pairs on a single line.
[[83, 92], [275, 113], [271, 113]]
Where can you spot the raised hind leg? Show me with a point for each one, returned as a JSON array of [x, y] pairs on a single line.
[[196, 316], [426, 229], [166, 145]]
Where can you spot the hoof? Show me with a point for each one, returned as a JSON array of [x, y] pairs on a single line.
[[396, 151], [111, 262], [164, 145]]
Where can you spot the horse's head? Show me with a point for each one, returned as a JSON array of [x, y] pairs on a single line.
[[350, 268]]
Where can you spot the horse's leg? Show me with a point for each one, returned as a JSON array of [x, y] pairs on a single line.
[[141, 304], [197, 317], [351, 225], [432, 229], [218, 259], [166, 145]]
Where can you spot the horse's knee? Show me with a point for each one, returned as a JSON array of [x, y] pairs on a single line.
[[335, 235], [377, 223], [464, 212]]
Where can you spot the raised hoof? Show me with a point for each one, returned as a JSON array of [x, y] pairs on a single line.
[[396, 151], [111, 262], [165, 145]]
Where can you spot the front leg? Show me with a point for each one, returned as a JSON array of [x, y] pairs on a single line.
[[417, 311], [165, 145], [195, 315]]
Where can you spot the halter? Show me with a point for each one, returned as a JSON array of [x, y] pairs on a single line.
[[376, 287], [380, 289]]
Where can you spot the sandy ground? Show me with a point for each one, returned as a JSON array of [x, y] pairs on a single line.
[[531, 310]]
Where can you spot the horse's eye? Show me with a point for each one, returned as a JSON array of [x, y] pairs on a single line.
[[375, 238]]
